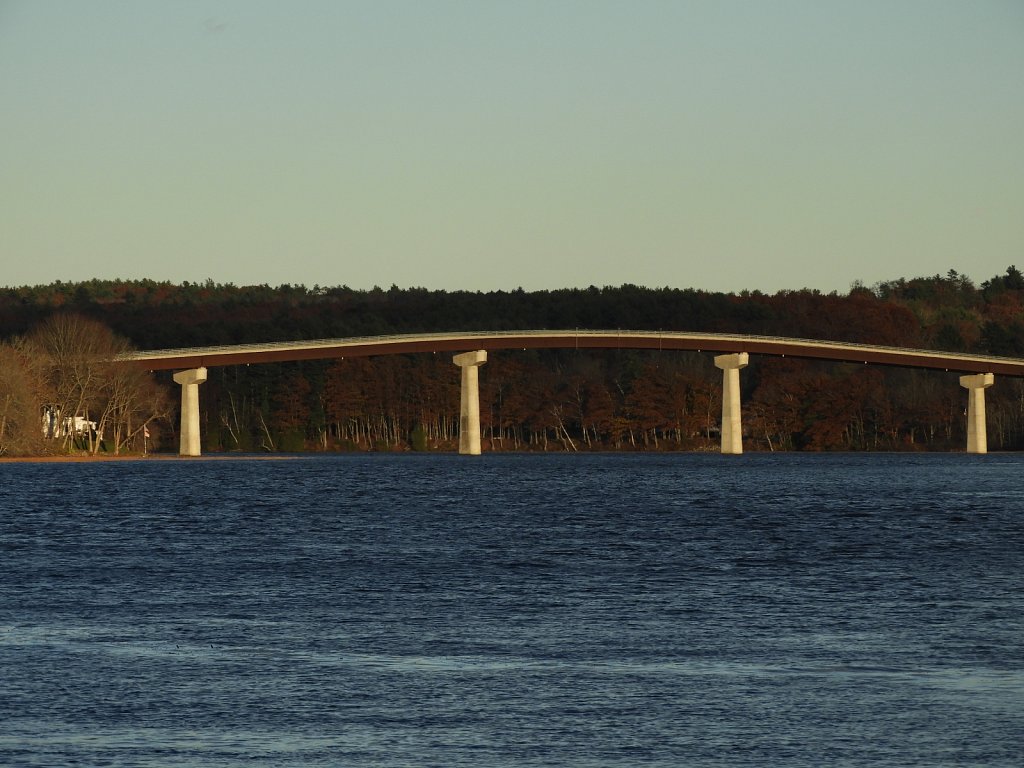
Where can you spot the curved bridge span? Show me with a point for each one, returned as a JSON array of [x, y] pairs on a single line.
[[168, 359], [732, 354]]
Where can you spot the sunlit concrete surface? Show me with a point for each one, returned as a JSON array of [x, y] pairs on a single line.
[[977, 435], [732, 426], [190, 381], [469, 401]]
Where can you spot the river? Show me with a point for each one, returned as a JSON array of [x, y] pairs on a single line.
[[514, 610]]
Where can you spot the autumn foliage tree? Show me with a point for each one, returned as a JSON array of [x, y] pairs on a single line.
[[23, 394], [84, 375]]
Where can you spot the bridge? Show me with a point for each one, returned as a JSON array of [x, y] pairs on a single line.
[[731, 351]]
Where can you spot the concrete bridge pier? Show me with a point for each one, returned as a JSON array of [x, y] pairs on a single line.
[[190, 381], [976, 384], [469, 403], [732, 426]]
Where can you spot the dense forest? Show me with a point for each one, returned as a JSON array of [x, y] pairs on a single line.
[[565, 399]]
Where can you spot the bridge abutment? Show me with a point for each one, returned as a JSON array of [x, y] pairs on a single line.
[[190, 381], [732, 426], [469, 402], [977, 436]]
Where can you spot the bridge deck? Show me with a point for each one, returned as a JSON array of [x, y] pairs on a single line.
[[168, 359]]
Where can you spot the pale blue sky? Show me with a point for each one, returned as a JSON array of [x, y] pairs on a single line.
[[483, 145]]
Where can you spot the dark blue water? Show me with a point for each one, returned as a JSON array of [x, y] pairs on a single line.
[[505, 610]]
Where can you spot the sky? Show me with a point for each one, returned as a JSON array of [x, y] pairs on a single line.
[[484, 145]]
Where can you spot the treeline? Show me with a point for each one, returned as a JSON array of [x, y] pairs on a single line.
[[64, 388], [566, 400]]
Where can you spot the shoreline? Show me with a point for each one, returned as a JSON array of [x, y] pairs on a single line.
[[136, 457]]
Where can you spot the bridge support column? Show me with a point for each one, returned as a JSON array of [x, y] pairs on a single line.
[[732, 426], [190, 381], [469, 403], [977, 438]]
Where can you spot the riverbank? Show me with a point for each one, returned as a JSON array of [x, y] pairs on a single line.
[[87, 459]]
